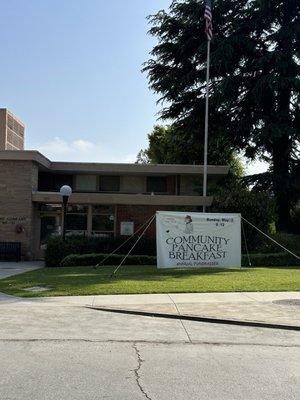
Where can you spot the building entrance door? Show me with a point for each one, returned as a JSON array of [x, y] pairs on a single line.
[[49, 227]]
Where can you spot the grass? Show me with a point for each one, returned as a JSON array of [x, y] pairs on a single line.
[[148, 279]]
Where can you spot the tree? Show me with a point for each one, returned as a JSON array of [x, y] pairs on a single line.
[[234, 197], [254, 91], [172, 145]]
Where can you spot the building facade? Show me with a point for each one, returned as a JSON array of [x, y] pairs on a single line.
[[107, 199], [12, 131]]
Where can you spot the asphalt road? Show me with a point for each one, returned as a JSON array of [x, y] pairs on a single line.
[[50, 351], [86, 370]]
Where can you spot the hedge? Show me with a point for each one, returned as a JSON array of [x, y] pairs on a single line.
[[288, 240], [75, 260], [57, 249], [271, 260], [257, 260]]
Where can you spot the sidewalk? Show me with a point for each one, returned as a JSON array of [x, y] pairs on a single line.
[[265, 307]]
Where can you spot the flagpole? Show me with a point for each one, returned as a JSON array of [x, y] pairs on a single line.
[[206, 126]]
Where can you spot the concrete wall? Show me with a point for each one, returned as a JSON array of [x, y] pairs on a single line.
[[17, 180]]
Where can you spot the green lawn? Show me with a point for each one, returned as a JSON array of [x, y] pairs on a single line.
[[147, 279]]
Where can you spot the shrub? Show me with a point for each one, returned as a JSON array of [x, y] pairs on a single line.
[[296, 219], [257, 260], [290, 241], [57, 249], [257, 207], [271, 260], [75, 260]]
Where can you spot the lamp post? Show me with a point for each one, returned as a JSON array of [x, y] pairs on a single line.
[[65, 192]]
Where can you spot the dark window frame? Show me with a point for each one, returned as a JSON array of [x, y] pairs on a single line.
[[108, 189], [77, 213], [156, 187], [104, 214]]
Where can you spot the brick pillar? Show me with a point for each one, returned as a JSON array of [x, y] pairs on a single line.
[[17, 180]]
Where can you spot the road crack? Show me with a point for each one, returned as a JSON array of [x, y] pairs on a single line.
[[137, 371]]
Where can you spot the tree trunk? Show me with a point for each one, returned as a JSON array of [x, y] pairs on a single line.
[[281, 178], [282, 144]]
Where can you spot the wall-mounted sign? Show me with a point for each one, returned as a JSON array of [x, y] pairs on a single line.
[[198, 240], [127, 228], [12, 220]]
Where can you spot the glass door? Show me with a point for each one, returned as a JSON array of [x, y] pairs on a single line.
[[49, 227]]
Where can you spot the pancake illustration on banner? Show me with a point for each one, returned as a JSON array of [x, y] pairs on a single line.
[[188, 224]]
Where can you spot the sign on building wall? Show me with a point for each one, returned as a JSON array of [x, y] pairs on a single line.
[[198, 240], [10, 220], [127, 228]]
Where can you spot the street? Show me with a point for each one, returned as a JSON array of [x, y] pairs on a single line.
[[52, 350]]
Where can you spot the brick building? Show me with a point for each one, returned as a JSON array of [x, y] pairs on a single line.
[[107, 199], [11, 131]]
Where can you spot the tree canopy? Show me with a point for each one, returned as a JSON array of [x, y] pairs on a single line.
[[254, 89]]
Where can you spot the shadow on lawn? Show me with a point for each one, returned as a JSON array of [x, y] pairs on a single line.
[[152, 274], [79, 276]]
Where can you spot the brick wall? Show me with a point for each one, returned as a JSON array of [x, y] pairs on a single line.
[[2, 129], [136, 214], [17, 180], [139, 215]]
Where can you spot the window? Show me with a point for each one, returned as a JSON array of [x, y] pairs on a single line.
[[86, 183], [76, 218], [103, 223], [109, 183], [157, 184], [103, 219], [61, 179], [46, 181], [53, 182]]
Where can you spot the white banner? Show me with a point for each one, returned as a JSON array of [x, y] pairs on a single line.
[[187, 240]]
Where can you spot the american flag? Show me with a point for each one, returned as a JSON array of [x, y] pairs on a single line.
[[208, 20]]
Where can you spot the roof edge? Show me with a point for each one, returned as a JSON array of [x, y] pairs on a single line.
[[92, 167], [25, 155]]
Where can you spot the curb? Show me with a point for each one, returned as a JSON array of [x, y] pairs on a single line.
[[197, 318]]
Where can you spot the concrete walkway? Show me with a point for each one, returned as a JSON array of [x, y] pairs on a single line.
[[281, 308], [268, 307], [15, 268]]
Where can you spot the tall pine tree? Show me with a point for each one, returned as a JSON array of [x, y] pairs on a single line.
[[254, 91]]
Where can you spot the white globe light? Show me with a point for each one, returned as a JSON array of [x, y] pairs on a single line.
[[65, 191]]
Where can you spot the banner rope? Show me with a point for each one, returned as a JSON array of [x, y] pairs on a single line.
[[138, 239], [269, 237], [122, 244], [246, 245]]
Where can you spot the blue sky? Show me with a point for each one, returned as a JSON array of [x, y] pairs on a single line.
[[71, 72]]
